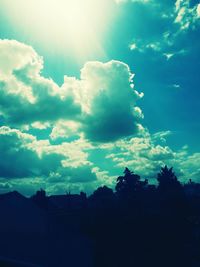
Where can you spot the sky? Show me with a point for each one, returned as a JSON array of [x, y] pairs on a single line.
[[90, 87]]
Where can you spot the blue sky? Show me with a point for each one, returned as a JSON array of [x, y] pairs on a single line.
[[90, 87]]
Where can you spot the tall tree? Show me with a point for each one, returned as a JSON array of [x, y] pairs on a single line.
[[128, 183], [167, 180]]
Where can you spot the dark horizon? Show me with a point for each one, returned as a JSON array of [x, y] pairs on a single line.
[[137, 225]]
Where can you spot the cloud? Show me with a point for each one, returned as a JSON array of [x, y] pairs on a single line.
[[176, 19], [75, 152], [23, 156], [148, 152], [162, 55], [186, 16], [99, 107], [16, 56], [190, 166], [19, 159], [101, 104], [65, 129], [84, 121], [26, 96], [58, 168], [141, 46], [198, 10], [4, 187], [109, 100], [142, 154], [82, 174]]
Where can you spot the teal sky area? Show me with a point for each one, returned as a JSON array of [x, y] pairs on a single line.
[[88, 88]]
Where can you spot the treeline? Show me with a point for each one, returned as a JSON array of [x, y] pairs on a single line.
[[146, 225], [140, 224]]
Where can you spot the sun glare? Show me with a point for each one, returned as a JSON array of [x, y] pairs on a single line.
[[75, 24]]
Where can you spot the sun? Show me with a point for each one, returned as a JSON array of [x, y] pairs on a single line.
[[67, 24]]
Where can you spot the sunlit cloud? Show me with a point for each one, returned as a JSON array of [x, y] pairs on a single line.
[[101, 104]]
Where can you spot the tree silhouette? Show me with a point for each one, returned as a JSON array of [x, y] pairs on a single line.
[[128, 183], [40, 198], [167, 180], [102, 191], [103, 195]]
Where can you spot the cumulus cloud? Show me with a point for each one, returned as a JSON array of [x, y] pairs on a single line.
[[23, 156], [90, 117], [26, 96], [59, 168], [147, 153], [19, 159], [109, 100], [65, 129], [16, 56], [141, 154], [100, 107], [101, 104]]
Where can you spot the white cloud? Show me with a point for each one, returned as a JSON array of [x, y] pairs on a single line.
[[23, 156], [20, 159], [147, 153], [142, 46], [133, 46], [186, 16], [198, 10], [65, 129], [25, 96], [180, 17], [101, 104], [15, 56], [109, 100]]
